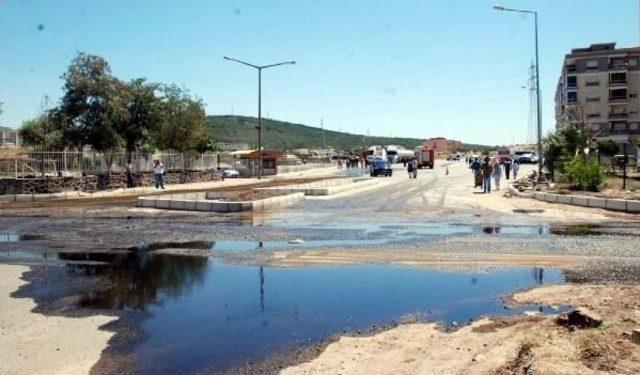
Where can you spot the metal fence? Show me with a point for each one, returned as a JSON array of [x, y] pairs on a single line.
[[32, 163]]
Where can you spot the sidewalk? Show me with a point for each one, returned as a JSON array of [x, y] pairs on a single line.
[[147, 190]]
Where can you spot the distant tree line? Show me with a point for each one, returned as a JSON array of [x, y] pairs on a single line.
[[99, 110]]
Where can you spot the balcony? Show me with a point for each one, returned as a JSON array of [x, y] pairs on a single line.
[[618, 83], [619, 115], [618, 99]]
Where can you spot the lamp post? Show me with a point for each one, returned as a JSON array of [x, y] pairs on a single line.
[[259, 127], [539, 117]]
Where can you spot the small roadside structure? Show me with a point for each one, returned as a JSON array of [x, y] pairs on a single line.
[[269, 162]]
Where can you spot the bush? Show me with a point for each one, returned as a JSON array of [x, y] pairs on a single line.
[[585, 174]]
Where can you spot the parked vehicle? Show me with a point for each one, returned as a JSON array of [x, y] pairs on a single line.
[[524, 157], [426, 157], [381, 167], [229, 172], [454, 157], [376, 151]]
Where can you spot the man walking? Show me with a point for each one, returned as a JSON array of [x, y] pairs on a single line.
[[128, 171], [158, 172], [507, 167], [487, 169]]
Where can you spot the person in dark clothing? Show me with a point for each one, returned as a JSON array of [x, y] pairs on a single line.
[[507, 167], [410, 169], [487, 170], [128, 170]]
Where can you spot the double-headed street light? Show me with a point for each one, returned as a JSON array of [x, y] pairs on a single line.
[[539, 112], [259, 127]]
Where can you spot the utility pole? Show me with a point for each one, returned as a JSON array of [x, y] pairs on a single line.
[[539, 102], [322, 129], [259, 126]]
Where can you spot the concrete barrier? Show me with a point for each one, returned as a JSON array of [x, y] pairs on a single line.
[[564, 199], [631, 206], [597, 202], [580, 201], [616, 204]]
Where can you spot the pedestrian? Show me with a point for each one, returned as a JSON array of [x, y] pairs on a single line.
[[497, 173], [477, 172], [515, 168], [414, 162], [158, 173], [507, 167], [487, 169], [128, 171], [410, 169]]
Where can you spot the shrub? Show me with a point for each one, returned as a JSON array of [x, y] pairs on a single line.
[[585, 174]]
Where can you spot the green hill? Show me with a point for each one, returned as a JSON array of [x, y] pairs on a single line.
[[280, 135]]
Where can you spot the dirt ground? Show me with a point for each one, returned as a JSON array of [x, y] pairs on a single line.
[[32, 343], [526, 344]]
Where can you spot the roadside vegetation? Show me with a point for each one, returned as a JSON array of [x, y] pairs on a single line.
[[579, 162], [110, 115]]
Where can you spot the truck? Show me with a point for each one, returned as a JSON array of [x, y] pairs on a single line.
[[426, 157], [375, 152]]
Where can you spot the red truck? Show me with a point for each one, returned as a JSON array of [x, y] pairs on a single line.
[[426, 157]]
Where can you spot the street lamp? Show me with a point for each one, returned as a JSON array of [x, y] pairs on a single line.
[[259, 127], [539, 117]]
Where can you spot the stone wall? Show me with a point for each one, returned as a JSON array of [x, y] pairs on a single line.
[[89, 184]]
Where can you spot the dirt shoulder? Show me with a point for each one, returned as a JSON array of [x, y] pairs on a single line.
[[32, 343], [524, 344]]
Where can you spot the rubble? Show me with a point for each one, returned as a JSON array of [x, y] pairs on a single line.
[[580, 318]]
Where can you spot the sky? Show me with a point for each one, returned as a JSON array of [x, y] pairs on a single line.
[[409, 68]]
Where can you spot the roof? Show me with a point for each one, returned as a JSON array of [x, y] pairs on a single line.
[[254, 154]]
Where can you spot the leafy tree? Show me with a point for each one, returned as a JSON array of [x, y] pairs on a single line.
[[183, 121], [92, 106], [143, 113], [41, 131]]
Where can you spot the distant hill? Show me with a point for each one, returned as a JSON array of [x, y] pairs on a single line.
[[280, 135]]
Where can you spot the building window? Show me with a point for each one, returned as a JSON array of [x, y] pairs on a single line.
[[572, 81], [618, 94], [634, 126], [572, 97], [633, 62], [593, 115], [592, 64], [617, 78], [571, 67], [593, 82], [619, 126], [593, 98], [618, 63], [633, 95]]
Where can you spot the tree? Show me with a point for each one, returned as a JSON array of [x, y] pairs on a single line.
[[143, 113], [41, 131], [92, 106], [182, 127]]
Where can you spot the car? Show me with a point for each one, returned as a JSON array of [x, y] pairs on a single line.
[[229, 172], [527, 158], [631, 160], [381, 167]]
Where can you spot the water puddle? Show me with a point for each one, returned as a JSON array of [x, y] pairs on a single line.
[[14, 237], [206, 316]]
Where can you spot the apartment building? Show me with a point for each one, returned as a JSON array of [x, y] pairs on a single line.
[[599, 89]]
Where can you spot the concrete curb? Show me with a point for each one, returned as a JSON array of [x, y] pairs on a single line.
[[208, 202], [324, 188], [622, 205]]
